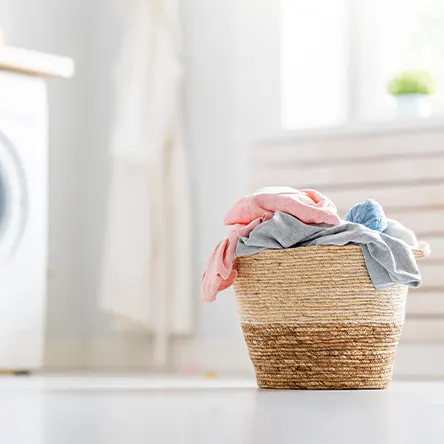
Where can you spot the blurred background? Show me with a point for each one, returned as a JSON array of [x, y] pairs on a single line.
[[176, 110]]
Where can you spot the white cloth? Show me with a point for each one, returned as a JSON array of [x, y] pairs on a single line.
[[147, 78], [147, 266]]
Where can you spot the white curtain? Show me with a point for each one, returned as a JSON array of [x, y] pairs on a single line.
[[146, 268]]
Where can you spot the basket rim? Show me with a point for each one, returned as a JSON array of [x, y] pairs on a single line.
[[419, 253]]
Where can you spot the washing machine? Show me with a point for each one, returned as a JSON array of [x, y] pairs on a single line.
[[23, 220]]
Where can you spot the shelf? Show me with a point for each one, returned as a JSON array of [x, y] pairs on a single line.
[[395, 126], [35, 63]]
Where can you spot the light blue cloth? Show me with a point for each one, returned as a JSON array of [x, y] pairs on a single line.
[[396, 229], [368, 213], [389, 261]]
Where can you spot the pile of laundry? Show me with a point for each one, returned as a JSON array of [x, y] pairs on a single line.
[[283, 217]]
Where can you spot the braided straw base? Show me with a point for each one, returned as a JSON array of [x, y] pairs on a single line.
[[313, 320], [322, 356]]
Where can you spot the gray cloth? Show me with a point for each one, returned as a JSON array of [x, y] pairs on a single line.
[[389, 260]]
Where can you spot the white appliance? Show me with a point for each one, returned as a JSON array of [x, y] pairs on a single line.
[[23, 220]]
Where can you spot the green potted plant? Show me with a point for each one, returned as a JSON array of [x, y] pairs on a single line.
[[411, 90]]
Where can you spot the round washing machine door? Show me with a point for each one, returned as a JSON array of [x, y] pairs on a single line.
[[13, 198]]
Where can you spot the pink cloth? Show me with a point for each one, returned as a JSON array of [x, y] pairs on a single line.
[[309, 206], [220, 273]]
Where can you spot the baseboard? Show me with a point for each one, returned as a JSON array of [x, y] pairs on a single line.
[[420, 361], [122, 353], [133, 352]]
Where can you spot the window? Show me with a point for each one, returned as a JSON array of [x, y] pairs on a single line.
[[337, 57]]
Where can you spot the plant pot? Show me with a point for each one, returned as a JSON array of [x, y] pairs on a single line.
[[413, 105]]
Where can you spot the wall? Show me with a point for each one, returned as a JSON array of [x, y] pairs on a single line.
[[231, 97], [231, 59]]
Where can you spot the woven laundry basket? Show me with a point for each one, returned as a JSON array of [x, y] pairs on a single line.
[[313, 320]]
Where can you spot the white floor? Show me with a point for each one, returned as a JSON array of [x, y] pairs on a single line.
[[137, 410]]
